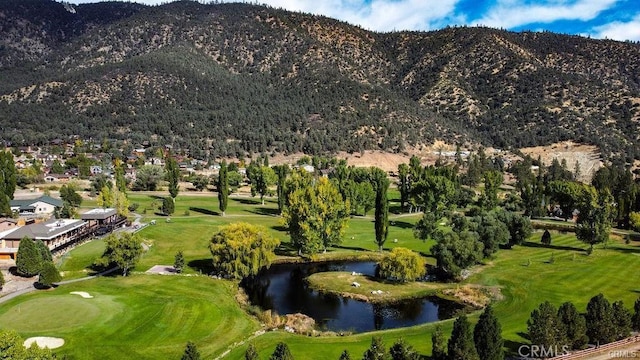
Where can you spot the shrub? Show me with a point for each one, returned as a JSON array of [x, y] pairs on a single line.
[[402, 265]]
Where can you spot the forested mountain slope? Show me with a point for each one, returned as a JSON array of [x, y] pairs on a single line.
[[236, 78]]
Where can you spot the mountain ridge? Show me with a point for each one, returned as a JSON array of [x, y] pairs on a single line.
[[231, 79]]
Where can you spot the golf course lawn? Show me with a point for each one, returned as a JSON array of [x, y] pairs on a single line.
[[138, 317], [152, 316]]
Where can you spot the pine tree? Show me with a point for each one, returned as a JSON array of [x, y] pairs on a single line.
[[251, 353], [600, 327], [575, 325], [345, 356], [191, 352], [382, 207], [635, 320], [487, 336], [461, 345], [439, 345], [376, 351], [43, 250], [49, 274], [621, 318], [223, 187], [1, 280], [403, 351], [28, 259], [281, 352], [178, 262], [544, 327]]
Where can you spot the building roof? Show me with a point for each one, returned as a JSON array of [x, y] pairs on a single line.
[[98, 214], [22, 203], [45, 230]]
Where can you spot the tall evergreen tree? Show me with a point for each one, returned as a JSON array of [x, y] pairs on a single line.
[[1, 279], [191, 352], [28, 259], [43, 250], [487, 336], [621, 318], [575, 325], [281, 172], [600, 326], [404, 185], [403, 351], [281, 352], [438, 344], [635, 320], [544, 327], [8, 179], [223, 187], [251, 353], [376, 351], [49, 274], [382, 207], [345, 356], [461, 345], [172, 172]]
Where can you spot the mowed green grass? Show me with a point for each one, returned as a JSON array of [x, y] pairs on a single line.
[[138, 317], [76, 263], [157, 320]]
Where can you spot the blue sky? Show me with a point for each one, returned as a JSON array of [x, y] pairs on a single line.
[[612, 19]]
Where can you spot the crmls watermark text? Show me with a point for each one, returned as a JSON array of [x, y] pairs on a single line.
[[623, 354], [542, 351]]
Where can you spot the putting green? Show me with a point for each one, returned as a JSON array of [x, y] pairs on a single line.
[[61, 312]]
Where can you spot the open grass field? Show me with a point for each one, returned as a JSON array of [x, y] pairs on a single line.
[[138, 317], [152, 316]]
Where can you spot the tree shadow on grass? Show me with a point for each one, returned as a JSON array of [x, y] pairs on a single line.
[[286, 249], [247, 201], [343, 247], [280, 228], [264, 211], [401, 224], [513, 346], [204, 266], [552, 247], [204, 211]]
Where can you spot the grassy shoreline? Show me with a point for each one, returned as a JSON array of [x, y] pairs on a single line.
[[340, 283]]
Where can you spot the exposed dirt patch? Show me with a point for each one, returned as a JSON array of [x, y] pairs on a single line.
[[588, 156]]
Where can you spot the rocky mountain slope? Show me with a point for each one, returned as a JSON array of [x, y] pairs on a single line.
[[234, 78]]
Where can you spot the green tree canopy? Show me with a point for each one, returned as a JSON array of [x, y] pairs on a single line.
[[251, 353], [545, 328], [381, 222], [575, 325], [281, 352], [223, 187], [148, 177], [599, 317], [376, 350], [316, 214], [28, 258], [191, 352], [400, 350], [487, 336], [438, 344], [172, 175], [456, 251], [123, 250], [168, 206], [49, 274], [242, 249], [461, 345], [402, 265], [178, 262]]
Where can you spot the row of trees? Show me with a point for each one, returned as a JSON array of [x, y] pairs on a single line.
[[602, 323], [7, 182], [34, 258], [12, 347]]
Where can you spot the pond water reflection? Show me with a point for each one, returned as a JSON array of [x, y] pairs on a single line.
[[283, 288]]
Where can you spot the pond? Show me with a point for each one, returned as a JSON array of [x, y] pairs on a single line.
[[283, 288]]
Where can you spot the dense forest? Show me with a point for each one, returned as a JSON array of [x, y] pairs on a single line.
[[232, 79]]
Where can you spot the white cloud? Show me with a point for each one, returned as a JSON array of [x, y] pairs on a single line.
[[619, 30], [379, 15], [513, 13]]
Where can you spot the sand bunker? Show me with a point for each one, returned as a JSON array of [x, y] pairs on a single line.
[[44, 342], [84, 294]]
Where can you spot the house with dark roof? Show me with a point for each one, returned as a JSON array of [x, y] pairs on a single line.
[[55, 233], [43, 206]]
